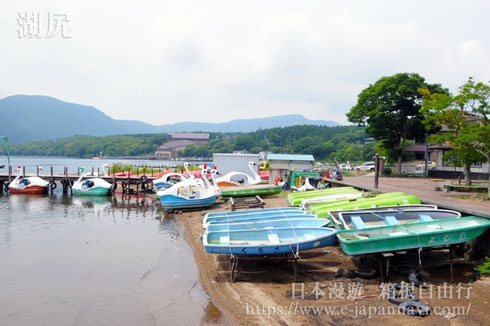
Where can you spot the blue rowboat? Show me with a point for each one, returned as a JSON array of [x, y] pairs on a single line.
[[253, 211], [171, 202], [268, 241], [270, 224], [255, 218]]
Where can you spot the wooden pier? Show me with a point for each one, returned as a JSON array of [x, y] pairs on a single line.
[[129, 183]]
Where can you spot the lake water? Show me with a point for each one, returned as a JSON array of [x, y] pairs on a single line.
[[58, 163], [96, 261]]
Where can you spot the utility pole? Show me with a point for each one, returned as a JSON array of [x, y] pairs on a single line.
[[376, 170], [426, 157], [8, 152], [377, 160]]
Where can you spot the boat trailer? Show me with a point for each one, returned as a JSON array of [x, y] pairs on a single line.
[[234, 263]]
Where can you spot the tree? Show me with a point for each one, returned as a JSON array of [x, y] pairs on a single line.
[[466, 116], [390, 109]]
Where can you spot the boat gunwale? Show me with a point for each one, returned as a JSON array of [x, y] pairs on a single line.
[[332, 232], [408, 235]]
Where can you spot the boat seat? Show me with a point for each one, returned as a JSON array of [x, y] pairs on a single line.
[[357, 222], [224, 239], [425, 218], [273, 238], [391, 220]]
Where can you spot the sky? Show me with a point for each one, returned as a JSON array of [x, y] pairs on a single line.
[[214, 61]]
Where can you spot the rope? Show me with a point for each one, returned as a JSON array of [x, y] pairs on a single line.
[[408, 231]]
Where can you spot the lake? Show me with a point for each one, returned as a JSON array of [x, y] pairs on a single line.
[[58, 163], [96, 261]]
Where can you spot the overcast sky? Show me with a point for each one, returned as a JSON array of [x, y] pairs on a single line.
[[170, 61]]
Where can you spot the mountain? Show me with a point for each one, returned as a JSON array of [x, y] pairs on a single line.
[[33, 117]]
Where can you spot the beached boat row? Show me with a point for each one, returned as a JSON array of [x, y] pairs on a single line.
[[366, 230]]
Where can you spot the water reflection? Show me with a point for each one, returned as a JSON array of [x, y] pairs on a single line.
[[96, 261]]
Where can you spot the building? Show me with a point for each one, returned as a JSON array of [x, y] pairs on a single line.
[[282, 165], [238, 162], [177, 141]]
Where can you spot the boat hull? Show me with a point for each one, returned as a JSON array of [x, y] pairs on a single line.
[[264, 248], [29, 190], [253, 212], [396, 242], [255, 218], [247, 191], [399, 200], [171, 202], [269, 224], [98, 191]]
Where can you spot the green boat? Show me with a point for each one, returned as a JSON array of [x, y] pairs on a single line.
[[295, 198], [412, 235], [374, 202], [247, 191], [315, 207], [298, 200]]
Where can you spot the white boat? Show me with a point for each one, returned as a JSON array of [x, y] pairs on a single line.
[[239, 178], [91, 186], [189, 194], [28, 185]]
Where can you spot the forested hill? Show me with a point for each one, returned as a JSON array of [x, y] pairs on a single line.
[[31, 118], [325, 143]]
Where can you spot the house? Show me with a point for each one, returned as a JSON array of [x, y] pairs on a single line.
[[177, 141], [282, 165], [446, 169]]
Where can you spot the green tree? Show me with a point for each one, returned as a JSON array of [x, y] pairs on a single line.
[[390, 109], [466, 117]]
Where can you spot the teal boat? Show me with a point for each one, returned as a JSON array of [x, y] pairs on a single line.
[[247, 191], [412, 235], [368, 219]]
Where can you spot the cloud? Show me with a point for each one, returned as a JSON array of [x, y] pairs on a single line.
[[163, 61]]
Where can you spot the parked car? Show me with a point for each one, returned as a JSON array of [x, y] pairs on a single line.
[[430, 164], [366, 166], [345, 167]]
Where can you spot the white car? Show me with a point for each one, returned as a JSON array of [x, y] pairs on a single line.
[[345, 167], [430, 164], [366, 166]]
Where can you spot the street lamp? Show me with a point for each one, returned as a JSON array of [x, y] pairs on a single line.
[[8, 152]]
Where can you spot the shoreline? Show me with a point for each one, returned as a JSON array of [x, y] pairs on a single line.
[[262, 293]]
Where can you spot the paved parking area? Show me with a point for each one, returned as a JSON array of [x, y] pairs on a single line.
[[424, 189]]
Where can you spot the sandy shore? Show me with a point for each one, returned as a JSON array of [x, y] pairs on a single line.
[[262, 293]]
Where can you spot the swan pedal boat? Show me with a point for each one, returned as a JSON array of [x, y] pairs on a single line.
[[28, 185]]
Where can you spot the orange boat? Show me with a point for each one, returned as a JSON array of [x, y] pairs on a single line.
[[28, 185]]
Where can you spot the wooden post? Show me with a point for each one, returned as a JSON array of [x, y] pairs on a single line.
[[98, 173], [92, 170], [24, 171], [376, 170], [451, 277], [78, 171], [10, 173], [37, 170], [51, 172]]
